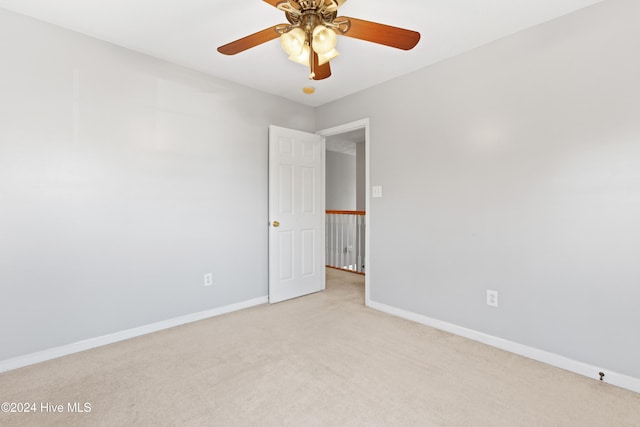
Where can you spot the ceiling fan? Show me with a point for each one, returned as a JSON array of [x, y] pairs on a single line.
[[310, 36]]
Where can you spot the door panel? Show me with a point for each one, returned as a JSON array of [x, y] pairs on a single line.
[[308, 253]]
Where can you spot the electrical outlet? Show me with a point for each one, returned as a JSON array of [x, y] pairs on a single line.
[[492, 298], [208, 279]]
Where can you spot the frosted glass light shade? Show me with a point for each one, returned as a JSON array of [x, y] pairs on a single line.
[[326, 57], [303, 57], [324, 39], [292, 42]]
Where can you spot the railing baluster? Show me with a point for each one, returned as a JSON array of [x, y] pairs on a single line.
[[330, 238], [341, 242], [336, 241], [359, 248], [347, 238], [333, 239], [352, 244]]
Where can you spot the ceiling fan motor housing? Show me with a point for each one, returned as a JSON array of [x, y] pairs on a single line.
[[308, 14]]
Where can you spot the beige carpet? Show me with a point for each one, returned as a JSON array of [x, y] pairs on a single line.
[[320, 360]]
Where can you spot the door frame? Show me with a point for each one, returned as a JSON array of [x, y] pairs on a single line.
[[337, 130]]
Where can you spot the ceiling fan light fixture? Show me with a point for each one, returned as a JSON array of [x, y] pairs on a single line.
[[292, 42], [303, 57], [326, 57], [324, 39], [310, 36]]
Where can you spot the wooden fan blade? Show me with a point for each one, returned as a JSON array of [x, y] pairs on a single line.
[[382, 34], [250, 41], [273, 3], [322, 71]]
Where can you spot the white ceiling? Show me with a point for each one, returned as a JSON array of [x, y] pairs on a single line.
[[187, 32]]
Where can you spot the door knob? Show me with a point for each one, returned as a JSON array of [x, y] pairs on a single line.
[[276, 224]]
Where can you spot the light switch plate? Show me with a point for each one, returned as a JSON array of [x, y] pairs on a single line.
[[376, 191]]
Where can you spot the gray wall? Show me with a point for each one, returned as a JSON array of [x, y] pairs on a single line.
[[341, 181], [516, 167], [123, 179]]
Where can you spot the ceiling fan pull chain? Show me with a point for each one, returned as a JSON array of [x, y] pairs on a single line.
[[311, 62]]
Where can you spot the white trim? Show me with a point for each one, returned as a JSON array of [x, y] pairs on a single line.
[[611, 377], [347, 127], [64, 350]]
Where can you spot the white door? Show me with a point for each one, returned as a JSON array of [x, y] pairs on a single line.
[[296, 213]]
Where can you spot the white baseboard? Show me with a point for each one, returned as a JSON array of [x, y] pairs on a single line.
[[52, 353], [611, 377]]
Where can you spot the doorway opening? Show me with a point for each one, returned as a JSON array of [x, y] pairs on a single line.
[[345, 201], [347, 197]]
